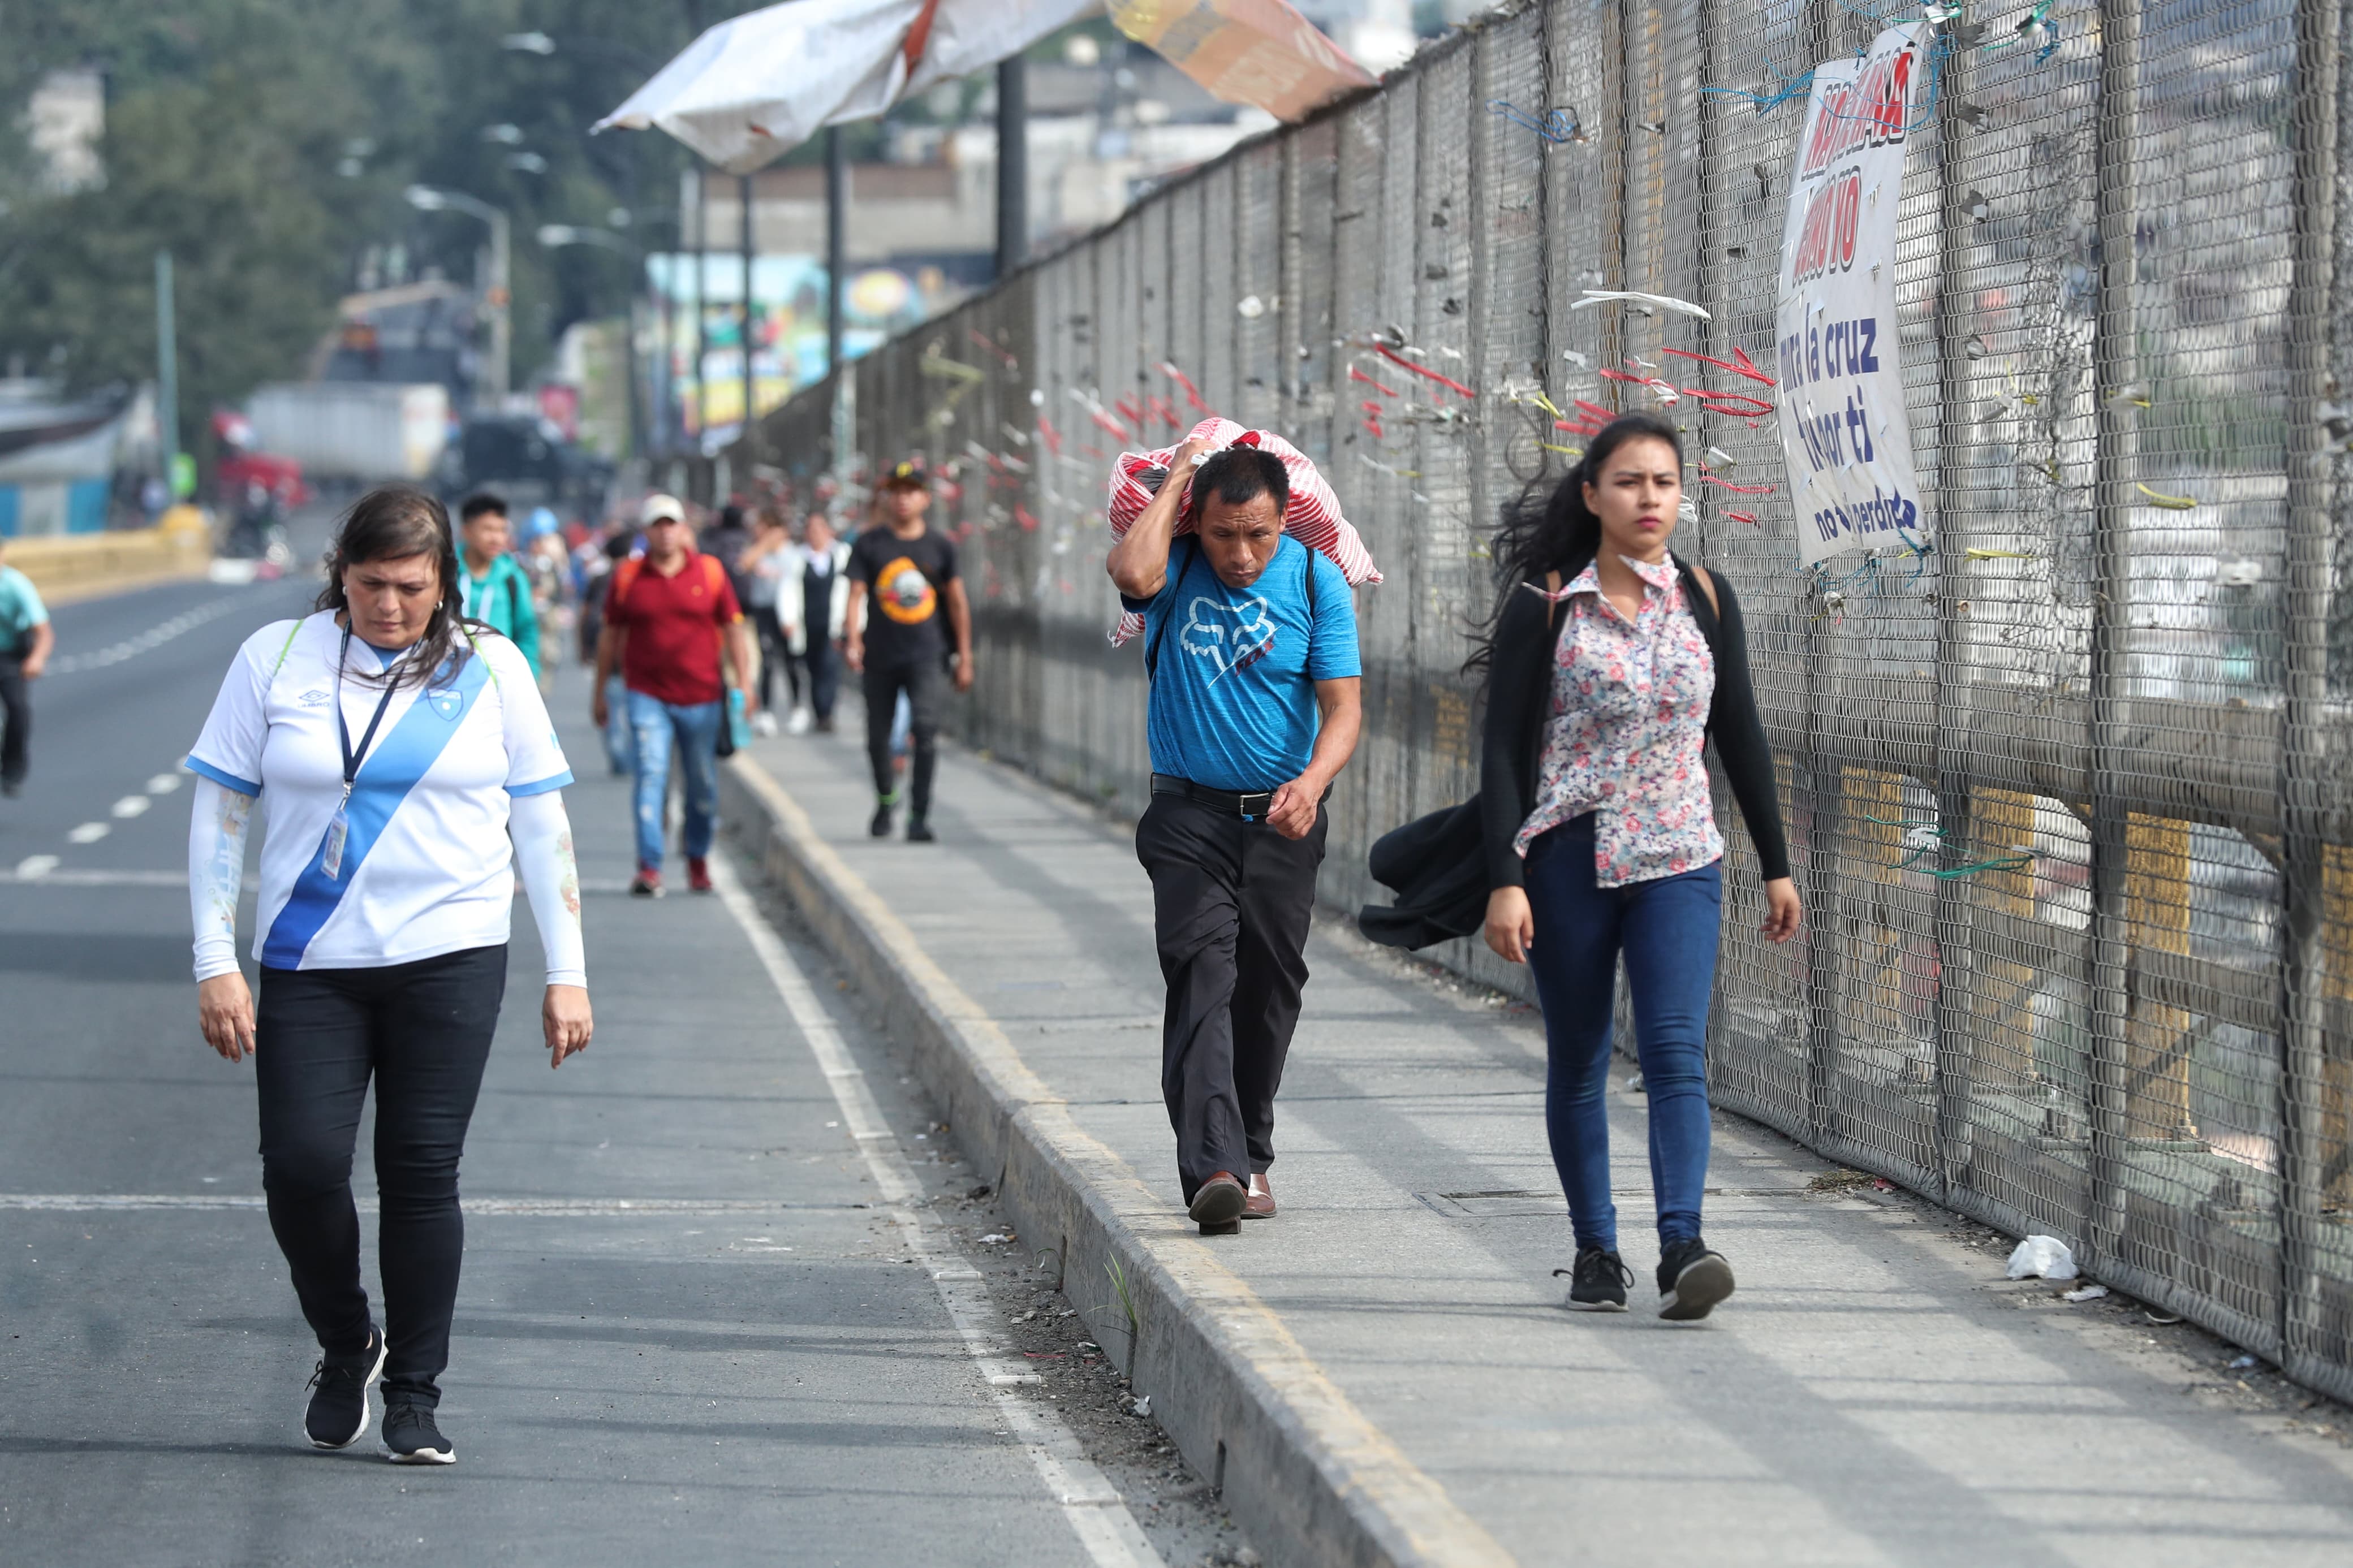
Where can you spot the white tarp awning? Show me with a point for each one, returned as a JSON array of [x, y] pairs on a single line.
[[755, 87]]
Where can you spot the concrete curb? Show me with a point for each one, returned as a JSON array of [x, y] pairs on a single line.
[[1307, 1475]]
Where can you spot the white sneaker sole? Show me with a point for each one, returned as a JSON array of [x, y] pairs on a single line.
[[382, 1348], [1703, 1282], [1573, 1305], [424, 1457]]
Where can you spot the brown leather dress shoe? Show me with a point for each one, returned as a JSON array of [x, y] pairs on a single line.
[[1219, 1203], [1261, 1204]]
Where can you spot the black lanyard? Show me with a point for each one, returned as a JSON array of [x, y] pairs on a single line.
[[352, 760]]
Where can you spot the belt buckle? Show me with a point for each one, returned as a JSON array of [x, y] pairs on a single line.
[[1242, 801]]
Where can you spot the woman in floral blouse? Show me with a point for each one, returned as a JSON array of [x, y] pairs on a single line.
[[1610, 664]]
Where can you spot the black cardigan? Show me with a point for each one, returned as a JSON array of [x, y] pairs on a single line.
[[1443, 866]]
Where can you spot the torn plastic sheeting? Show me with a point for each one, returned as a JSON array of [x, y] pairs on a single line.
[[1262, 53], [754, 87], [2044, 1256]]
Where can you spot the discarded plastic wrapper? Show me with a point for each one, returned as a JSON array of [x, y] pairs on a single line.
[[2043, 1255], [1313, 516], [2087, 1293]]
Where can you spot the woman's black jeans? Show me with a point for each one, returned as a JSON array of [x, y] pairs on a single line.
[[423, 1031]]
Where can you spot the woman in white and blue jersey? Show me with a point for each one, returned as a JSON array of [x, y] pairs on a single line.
[[408, 768]]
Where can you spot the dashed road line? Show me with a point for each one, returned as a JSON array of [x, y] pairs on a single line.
[[1095, 1511], [89, 832], [152, 637]]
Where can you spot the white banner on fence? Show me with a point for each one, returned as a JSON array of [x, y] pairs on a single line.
[[1843, 432]]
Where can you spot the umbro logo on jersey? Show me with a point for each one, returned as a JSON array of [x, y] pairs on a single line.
[[445, 703], [314, 697]]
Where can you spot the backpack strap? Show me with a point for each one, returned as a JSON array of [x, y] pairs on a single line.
[[488, 668], [625, 577], [1152, 648], [286, 648]]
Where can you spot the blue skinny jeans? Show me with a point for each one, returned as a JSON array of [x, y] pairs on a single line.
[[692, 728], [1667, 928]]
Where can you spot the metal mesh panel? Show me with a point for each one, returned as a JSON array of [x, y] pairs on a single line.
[[2066, 790]]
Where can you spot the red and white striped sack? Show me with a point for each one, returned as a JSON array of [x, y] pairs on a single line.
[[1312, 517]]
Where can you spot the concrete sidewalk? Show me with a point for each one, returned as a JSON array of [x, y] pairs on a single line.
[[1393, 1342]]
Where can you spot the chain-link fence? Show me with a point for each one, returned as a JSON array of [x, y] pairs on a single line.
[[2066, 790]]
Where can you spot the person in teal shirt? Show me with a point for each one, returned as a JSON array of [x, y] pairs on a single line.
[[25, 638], [497, 588]]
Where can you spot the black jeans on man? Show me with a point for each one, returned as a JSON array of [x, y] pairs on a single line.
[[423, 1031], [926, 684], [776, 658], [822, 664], [1230, 902], [16, 720]]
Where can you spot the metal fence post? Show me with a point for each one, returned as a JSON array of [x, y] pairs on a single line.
[[1954, 902], [1820, 807], [2304, 771], [2115, 358]]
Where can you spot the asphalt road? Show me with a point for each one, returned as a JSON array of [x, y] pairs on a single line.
[[698, 1323]]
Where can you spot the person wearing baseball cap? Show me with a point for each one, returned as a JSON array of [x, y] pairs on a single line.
[[909, 572], [666, 614]]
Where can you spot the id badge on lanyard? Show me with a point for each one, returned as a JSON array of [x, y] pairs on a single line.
[[339, 831]]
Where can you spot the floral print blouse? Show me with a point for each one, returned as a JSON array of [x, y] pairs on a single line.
[[1628, 723]]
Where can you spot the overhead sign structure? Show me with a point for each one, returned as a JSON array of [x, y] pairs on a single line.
[[1843, 430], [754, 87]]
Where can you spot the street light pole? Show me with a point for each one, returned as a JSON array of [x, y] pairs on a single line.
[[747, 242], [556, 235], [1012, 164], [432, 198], [167, 375], [837, 223]]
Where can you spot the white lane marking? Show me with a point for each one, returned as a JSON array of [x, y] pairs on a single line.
[[162, 783], [154, 637], [89, 832], [104, 1203], [132, 805], [1092, 1505], [33, 868]]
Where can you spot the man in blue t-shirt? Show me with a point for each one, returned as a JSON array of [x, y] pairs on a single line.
[[25, 638], [1250, 655]]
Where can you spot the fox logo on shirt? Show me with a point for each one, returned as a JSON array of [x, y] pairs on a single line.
[[1232, 637]]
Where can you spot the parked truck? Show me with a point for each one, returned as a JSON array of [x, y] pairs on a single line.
[[358, 431]]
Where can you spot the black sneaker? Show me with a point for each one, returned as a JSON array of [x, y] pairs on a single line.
[[880, 826], [1692, 1281], [1598, 1281], [920, 832], [337, 1415], [411, 1437]]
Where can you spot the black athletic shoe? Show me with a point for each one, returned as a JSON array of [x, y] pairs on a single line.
[[920, 832], [1598, 1281], [411, 1437], [337, 1415], [1692, 1281], [880, 826]]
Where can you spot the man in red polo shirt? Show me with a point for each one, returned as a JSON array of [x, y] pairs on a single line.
[[666, 614]]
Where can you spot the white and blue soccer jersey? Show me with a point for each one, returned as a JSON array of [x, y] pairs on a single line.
[[427, 865]]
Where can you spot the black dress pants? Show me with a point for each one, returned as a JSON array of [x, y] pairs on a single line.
[[1230, 904], [926, 684], [16, 720], [423, 1031]]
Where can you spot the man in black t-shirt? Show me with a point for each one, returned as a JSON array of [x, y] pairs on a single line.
[[901, 575]]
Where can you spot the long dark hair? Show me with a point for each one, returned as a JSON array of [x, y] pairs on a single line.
[[393, 522], [1554, 530]]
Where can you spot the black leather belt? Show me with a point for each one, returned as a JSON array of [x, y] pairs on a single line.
[[1250, 807]]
